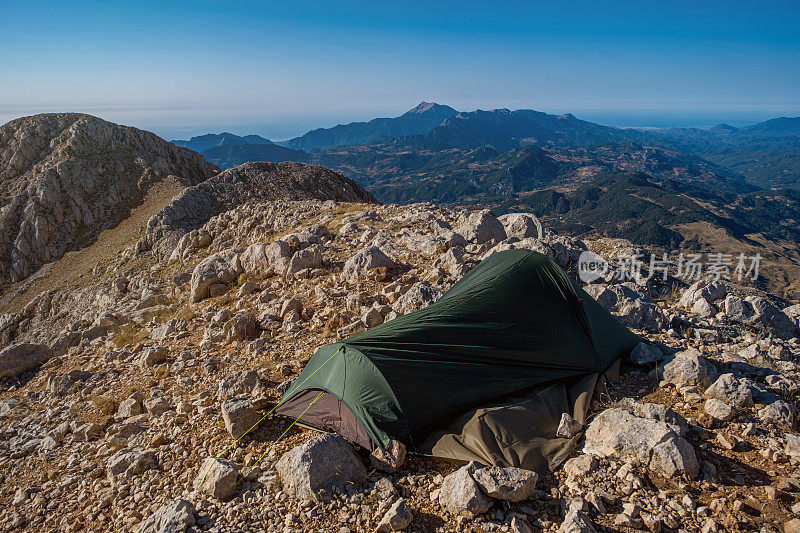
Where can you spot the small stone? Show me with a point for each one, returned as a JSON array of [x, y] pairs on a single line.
[[217, 478], [568, 427], [725, 441], [718, 410], [239, 416], [580, 466], [397, 518], [388, 460], [778, 412], [511, 484], [129, 407]]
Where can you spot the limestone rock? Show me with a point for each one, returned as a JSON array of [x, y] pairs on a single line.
[[460, 493], [310, 257], [397, 518], [645, 354], [213, 270], [324, 464], [778, 412], [621, 434], [718, 410], [359, 265], [706, 290], [521, 225], [244, 383], [388, 460], [239, 416], [633, 306], [152, 355], [241, 327], [512, 484], [21, 358], [126, 463], [580, 466], [731, 390], [420, 295], [576, 521], [689, 367], [703, 308], [568, 427], [217, 478], [481, 227], [172, 517]]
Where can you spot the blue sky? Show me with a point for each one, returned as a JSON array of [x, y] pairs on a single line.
[[278, 69]]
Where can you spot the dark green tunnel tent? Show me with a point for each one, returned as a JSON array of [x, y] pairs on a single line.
[[484, 373]]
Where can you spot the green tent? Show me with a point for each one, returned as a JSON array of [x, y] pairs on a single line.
[[484, 373]]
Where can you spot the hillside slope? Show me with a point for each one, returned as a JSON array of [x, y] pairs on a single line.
[[767, 153], [66, 176], [229, 156]]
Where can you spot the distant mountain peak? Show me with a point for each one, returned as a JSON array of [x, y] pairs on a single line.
[[419, 120], [431, 108], [422, 107]]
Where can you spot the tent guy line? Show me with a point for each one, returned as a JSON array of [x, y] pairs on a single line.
[[231, 445], [281, 436]]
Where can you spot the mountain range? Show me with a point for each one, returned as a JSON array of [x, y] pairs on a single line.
[[659, 188], [768, 153], [210, 140], [685, 187], [421, 119]]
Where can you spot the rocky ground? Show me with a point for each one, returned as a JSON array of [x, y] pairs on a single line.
[[117, 391]]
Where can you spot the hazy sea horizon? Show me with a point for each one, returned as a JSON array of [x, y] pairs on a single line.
[[177, 123]]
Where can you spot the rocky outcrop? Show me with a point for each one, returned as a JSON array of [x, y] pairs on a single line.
[[522, 226], [67, 176], [248, 182], [631, 304], [706, 298]]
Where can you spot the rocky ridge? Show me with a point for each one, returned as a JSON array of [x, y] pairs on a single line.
[[133, 381], [67, 176], [261, 182]]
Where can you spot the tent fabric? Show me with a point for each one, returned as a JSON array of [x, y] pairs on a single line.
[[514, 324], [520, 431]]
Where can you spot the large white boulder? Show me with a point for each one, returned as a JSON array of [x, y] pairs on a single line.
[[622, 434], [211, 271], [324, 464], [521, 225]]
